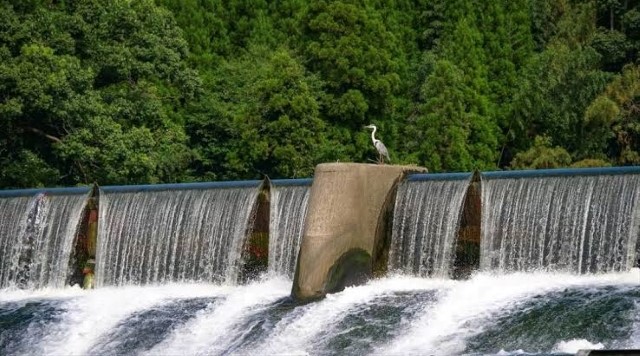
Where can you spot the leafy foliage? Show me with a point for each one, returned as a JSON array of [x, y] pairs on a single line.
[[88, 91], [265, 121], [542, 155], [615, 115], [142, 91]]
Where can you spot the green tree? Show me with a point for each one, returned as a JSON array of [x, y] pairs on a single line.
[[452, 132], [558, 85], [89, 92], [614, 117], [265, 121], [542, 156], [456, 114], [357, 57]]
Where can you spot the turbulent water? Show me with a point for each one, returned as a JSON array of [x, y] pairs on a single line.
[[538, 313], [36, 239], [168, 262], [288, 211], [172, 236], [576, 224], [425, 223]]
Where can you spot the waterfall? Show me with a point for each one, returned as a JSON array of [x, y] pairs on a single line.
[[514, 314], [13, 218], [37, 235], [193, 237], [173, 235], [425, 222], [583, 224], [286, 224]]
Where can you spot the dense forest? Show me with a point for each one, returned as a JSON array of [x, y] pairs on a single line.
[[142, 91]]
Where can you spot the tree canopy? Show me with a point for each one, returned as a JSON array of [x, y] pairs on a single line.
[[143, 91]]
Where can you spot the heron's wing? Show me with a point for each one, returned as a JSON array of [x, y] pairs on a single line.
[[382, 149]]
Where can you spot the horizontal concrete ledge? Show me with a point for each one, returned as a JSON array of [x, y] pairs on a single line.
[[438, 176], [49, 191], [291, 182], [181, 186], [561, 172]]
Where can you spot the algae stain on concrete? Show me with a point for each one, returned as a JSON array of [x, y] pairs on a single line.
[[352, 268]]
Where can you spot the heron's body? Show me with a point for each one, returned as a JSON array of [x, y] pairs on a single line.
[[380, 147]]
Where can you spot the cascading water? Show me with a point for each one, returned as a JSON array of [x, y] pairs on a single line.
[[583, 224], [14, 213], [425, 222], [37, 234], [524, 313], [181, 235], [287, 213], [533, 313], [490, 314]]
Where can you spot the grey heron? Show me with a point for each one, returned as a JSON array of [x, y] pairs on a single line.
[[380, 147]]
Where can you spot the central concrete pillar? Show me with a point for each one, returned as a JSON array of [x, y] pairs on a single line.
[[344, 226]]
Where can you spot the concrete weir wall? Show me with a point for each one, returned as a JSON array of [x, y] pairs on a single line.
[[344, 225]]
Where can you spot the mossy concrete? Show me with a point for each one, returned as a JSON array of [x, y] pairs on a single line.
[[352, 268], [255, 254], [345, 226], [467, 252], [82, 262]]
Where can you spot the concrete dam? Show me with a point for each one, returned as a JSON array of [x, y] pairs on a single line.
[[359, 259]]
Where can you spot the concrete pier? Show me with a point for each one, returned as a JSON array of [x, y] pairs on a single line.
[[345, 226]]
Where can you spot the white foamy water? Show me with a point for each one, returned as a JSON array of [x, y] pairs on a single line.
[[8, 295], [634, 339], [439, 321], [88, 315], [298, 331], [468, 307], [575, 345], [214, 328]]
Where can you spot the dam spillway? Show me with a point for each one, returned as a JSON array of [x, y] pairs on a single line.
[[585, 223], [37, 233], [425, 224], [289, 202], [495, 311], [160, 234]]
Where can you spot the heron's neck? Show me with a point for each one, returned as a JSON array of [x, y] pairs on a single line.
[[373, 137]]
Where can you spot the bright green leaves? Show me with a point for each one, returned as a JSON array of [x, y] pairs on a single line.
[[106, 152], [350, 47], [542, 156], [26, 169], [454, 131], [616, 113], [564, 81], [457, 127], [265, 121], [130, 92], [88, 90], [43, 98]]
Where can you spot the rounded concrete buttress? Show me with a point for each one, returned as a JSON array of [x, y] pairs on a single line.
[[340, 233]]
